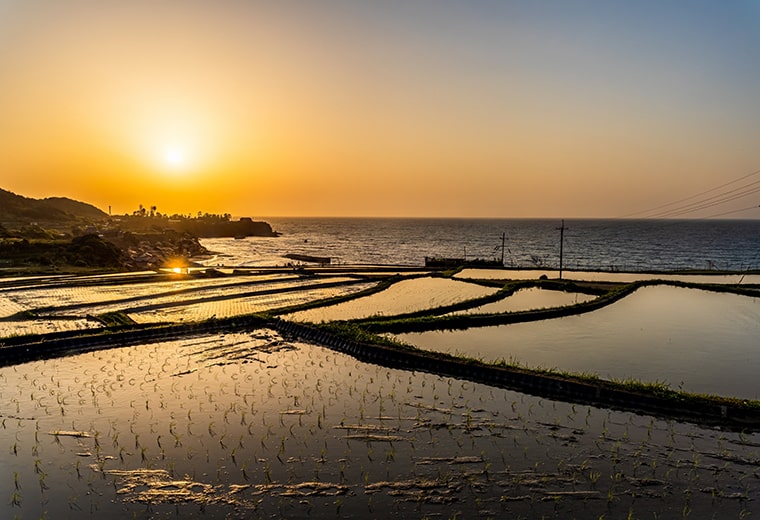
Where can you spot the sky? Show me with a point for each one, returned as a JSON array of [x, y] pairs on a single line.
[[427, 108]]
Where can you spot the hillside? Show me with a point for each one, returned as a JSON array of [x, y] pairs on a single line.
[[58, 233], [18, 209], [74, 207]]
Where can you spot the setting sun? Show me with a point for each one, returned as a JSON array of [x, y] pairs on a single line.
[[472, 109], [175, 158]]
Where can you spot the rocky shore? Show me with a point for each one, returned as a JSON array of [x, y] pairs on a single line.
[[154, 250], [59, 234], [117, 250]]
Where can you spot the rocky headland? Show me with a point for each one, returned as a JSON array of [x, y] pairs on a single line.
[[60, 234], [155, 250]]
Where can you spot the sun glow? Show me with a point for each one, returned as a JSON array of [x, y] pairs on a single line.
[[171, 138], [175, 157]]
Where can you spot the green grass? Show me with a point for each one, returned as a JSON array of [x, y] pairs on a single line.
[[636, 389], [433, 319], [115, 319]]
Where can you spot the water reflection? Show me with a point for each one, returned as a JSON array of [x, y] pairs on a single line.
[[598, 276], [530, 299], [402, 297], [260, 426], [697, 340]]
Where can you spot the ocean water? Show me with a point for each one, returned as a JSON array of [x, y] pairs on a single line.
[[614, 245]]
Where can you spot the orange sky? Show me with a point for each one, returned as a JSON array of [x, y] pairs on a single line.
[[343, 108]]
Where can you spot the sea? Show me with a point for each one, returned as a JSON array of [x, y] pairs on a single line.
[[585, 244]]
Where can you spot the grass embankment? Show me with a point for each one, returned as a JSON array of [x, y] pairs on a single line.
[[650, 397], [382, 285], [608, 293], [631, 395], [360, 338], [21, 349], [593, 288], [114, 319], [506, 290], [365, 331], [655, 398], [439, 319], [15, 271]]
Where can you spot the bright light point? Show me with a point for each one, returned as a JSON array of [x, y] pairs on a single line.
[[177, 270], [175, 157]]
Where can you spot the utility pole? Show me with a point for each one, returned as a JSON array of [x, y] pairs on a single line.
[[503, 238], [561, 246]]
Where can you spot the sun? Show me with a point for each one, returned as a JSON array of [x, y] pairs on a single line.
[[175, 158]]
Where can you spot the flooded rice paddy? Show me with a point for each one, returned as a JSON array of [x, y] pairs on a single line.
[[402, 297], [529, 299], [243, 305], [261, 425], [257, 425], [82, 299], [700, 341], [20, 327], [70, 305]]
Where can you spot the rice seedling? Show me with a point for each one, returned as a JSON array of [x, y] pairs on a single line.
[[336, 400]]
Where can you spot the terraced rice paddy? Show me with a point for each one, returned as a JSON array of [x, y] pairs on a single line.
[[83, 298], [9, 307], [26, 325], [243, 305], [696, 340], [44, 326], [67, 306], [257, 426], [529, 299], [402, 297]]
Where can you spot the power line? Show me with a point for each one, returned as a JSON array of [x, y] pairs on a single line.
[[715, 200], [743, 190], [732, 212], [691, 197]]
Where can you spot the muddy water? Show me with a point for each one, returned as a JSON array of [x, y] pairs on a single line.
[[696, 340], [259, 426]]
